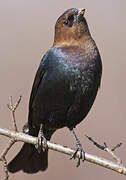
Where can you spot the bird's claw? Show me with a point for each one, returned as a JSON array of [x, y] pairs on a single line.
[[41, 144], [81, 154]]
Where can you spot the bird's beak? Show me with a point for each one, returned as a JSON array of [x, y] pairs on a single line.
[[81, 12], [80, 15]]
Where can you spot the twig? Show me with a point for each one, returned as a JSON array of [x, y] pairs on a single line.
[[12, 141], [12, 108], [18, 136], [95, 143], [116, 146], [111, 151], [107, 149], [5, 168], [3, 159], [5, 151]]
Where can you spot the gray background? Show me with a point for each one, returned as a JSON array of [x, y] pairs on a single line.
[[26, 32]]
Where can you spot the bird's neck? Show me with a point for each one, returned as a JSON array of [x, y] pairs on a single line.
[[85, 42]]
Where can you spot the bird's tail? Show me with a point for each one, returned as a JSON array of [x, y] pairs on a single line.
[[29, 159]]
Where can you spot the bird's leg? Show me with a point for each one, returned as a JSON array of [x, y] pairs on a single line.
[[78, 149], [42, 142]]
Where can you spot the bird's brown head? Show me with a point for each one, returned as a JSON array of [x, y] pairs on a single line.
[[71, 28]]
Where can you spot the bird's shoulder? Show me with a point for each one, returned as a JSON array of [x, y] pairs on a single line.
[[49, 61]]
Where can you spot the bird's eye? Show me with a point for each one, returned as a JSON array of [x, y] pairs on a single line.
[[65, 22], [69, 22]]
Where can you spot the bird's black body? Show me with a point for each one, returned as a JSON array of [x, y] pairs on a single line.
[[63, 92], [65, 87]]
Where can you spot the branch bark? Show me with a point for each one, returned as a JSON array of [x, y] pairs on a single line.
[[19, 136]]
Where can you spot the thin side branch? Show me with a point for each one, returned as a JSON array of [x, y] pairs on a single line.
[[12, 109], [111, 152], [5, 151], [107, 149], [18, 136], [5, 168]]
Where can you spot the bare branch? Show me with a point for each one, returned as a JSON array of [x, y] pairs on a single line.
[[12, 108], [107, 149], [5, 151], [116, 146], [18, 136], [95, 143], [3, 159], [5, 168], [111, 151]]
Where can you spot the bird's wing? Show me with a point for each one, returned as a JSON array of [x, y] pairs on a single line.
[[47, 59], [37, 80], [45, 64]]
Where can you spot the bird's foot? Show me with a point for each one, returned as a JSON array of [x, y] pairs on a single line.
[[42, 142], [81, 155]]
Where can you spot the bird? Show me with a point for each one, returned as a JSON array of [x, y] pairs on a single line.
[[63, 91]]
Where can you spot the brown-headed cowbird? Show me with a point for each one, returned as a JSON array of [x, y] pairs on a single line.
[[64, 88]]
